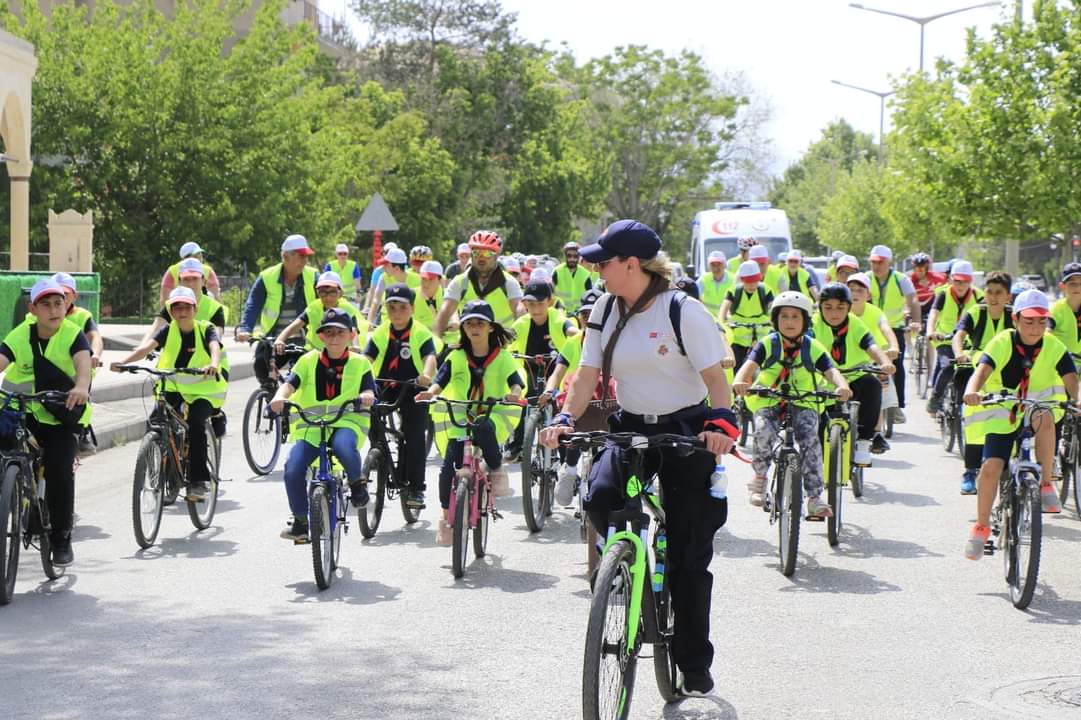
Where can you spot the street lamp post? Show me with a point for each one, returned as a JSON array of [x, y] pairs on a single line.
[[922, 21], [882, 95]]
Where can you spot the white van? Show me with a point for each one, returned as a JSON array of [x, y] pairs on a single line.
[[723, 226]]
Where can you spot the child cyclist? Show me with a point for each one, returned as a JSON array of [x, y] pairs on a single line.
[[789, 355], [52, 353], [973, 332], [849, 343], [1027, 363], [480, 368], [327, 379], [329, 292], [749, 302], [875, 320]]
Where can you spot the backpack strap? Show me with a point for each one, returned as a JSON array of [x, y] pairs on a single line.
[[604, 315], [805, 354], [675, 315], [774, 350], [980, 325]]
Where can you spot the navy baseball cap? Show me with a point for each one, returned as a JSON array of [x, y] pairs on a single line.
[[477, 309], [537, 291], [399, 292], [688, 286], [336, 318], [625, 238], [1070, 270]]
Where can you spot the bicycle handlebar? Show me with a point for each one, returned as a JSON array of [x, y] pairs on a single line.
[[24, 398], [632, 441], [784, 394], [870, 368], [158, 373], [386, 407], [310, 418], [485, 405], [289, 347], [541, 359]]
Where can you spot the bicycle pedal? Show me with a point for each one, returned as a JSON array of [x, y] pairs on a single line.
[[496, 515], [814, 518], [988, 548], [577, 515]]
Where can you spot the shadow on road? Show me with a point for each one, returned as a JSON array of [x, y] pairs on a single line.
[[345, 589], [1047, 607], [420, 534], [1069, 531], [706, 708], [88, 532], [858, 542], [813, 577], [877, 494], [916, 439], [560, 527], [197, 544], [488, 572], [729, 545], [892, 464]]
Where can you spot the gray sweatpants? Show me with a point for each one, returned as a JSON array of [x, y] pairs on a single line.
[[767, 432]]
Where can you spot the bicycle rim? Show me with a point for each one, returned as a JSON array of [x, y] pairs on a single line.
[[460, 546], [321, 541], [480, 531], [10, 533], [1027, 528], [791, 512], [262, 435], [835, 492], [202, 513], [609, 665], [533, 471], [339, 526], [148, 491], [375, 475]]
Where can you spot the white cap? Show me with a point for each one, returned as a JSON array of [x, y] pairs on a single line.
[[191, 267], [860, 278], [296, 243], [782, 257], [540, 274], [387, 247], [511, 263], [532, 261], [962, 270], [795, 255], [463, 249], [750, 269], [48, 286], [1031, 303], [758, 252], [431, 268], [881, 252], [717, 256], [181, 294], [849, 261], [329, 279], [67, 281], [190, 248], [396, 256], [341, 248]]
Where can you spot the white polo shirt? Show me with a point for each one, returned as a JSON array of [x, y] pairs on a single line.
[[652, 376]]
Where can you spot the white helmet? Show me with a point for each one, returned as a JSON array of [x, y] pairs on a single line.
[[794, 299], [746, 243]]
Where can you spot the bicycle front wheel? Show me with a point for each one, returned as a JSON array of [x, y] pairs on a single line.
[[480, 531], [262, 434], [835, 457], [791, 506], [375, 473], [321, 536], [10, 533], [1025, 535], [460, 546], [536, 464], [609, 663], [202, 513], [148, 490]]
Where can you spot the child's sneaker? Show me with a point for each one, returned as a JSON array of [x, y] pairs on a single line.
[[1049, 499], [976, 541], [818, 508], [755, 490]]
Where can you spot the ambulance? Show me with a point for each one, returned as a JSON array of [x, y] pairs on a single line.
[[723, 226]]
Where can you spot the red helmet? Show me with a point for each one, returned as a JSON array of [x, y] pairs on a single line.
[[485, 240]]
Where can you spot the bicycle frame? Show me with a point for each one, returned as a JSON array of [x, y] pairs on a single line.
[[847, 421]]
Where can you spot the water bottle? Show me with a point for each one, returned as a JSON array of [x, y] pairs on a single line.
[[718, 482]]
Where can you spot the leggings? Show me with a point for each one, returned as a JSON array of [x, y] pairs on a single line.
[[484, 436]]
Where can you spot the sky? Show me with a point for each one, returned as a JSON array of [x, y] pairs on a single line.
[[789, 50]]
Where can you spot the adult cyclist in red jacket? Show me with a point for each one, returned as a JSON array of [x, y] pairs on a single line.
[[925, 280]]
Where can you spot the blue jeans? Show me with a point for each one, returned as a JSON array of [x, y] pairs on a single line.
[[343, 442]]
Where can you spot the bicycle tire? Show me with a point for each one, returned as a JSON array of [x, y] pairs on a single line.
[[480, 531], [658, 619], [10, 532], [429, 437], [611, 600], [959, 432], [1076, 489], [369, 516], [1066, 462], [889, 423], [534, 474], [744, 423], [791, 507], [340, 510], [148, 490], [409, 513], [321, 540], [1026, 528], [460, 526], [262, 435], [835, 491], [855, 480], [202, 513], [945, 430], [45, 544]]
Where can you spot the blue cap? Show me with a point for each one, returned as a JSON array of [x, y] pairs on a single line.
[[625, 238], [477, 309], [336, 317]]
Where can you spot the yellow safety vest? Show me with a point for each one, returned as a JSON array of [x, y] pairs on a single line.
[[771, 278], [870, 317], [314, 313], [497, 299], [801, 377], [893, 301], [504, 417], [356, 367], [749, 308], [19, 376], [174, 271], [556, 337], [570, 285], [193, 387], [418, 335], [1066, 329], [272, 307], [344, 272], [712, 292], [951, 313], [984, 328], [854, 354], [802, 281]]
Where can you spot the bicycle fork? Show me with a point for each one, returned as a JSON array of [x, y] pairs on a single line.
[[638, 578]]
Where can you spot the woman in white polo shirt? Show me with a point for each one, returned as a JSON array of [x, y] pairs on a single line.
[[660, 390]]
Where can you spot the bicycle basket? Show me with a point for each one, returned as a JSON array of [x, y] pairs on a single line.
[[595, 418], [10, 421]]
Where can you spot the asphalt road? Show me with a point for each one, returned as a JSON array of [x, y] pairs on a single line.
[[228, 623]]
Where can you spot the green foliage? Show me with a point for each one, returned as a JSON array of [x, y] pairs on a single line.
[[233, 300], [852, 218]]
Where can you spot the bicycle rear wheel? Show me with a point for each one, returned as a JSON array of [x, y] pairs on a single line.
[[460, 526], [480, 531], [835, 457], [1066, 462], [148, 490], [321, 537], [744, 422], [340, 509], [945, 427], [45, 542], [375, 473], [10, 533], [429, 437], [790, 508], [658, 619], [536, 465], [262, 434], [609, 665], [202, 513], [1025, 530]]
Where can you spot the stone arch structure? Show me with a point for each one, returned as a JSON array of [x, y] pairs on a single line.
[[17, 68]]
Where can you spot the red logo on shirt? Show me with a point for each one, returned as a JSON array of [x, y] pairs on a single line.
[[662, 350], [653, 335]]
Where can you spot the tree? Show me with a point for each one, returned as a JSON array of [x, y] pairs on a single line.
[[852, 218]]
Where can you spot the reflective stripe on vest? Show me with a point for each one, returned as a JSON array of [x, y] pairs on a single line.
[[191, 387], [19, 375]]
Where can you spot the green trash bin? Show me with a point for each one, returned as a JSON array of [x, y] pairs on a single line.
[[15, 295]]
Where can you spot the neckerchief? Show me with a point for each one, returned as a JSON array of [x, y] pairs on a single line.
[[476, 377], [1026, 371], [960, 301], [840, 334], [337, 367], [397, 340], [788, 359]]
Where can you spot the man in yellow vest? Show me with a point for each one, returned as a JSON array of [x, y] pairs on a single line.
[[799, 278], [713, 287], [402, 351], [892, 292], [325, 380], [280, 294], [348, 270], [51, 353], [485, 280], [189, 343], [570, 279], [171, 278]]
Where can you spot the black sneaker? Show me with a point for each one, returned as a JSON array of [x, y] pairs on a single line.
[[86, 444], [697, 684], [934, 406], [62, 554], [358, 494], [296, 530], [196, 491], [415, 499], [879, 444]]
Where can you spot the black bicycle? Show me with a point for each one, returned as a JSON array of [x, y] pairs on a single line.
[[161, 465], [24, 512], [784, 498], [950, 425], [1069, 457], [538, 462], [383, 469], [632, 604], [264, 432]]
